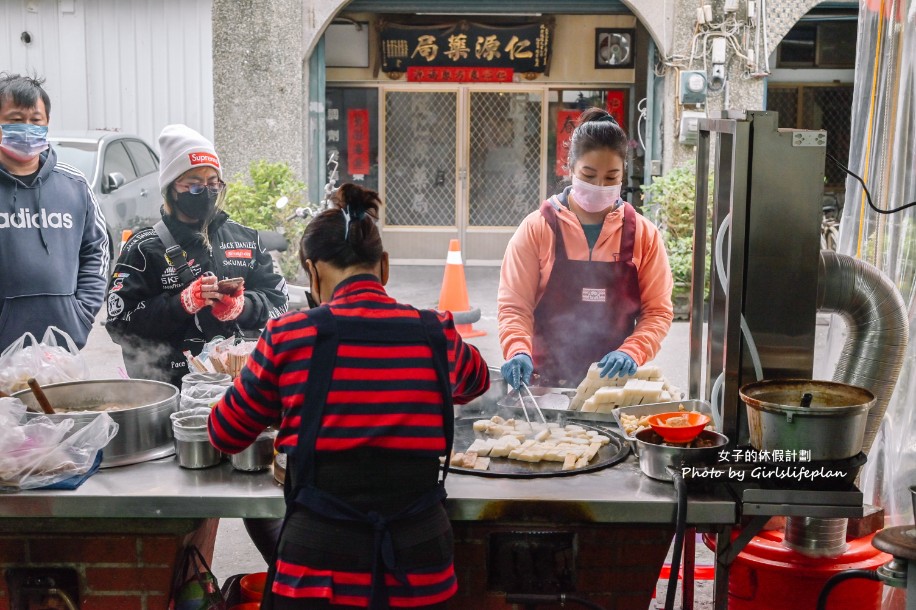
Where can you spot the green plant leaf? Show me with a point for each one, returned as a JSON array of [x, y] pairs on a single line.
[[674, 194], [251, 201]]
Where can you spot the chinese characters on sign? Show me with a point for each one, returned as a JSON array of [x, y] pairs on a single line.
[[357, 141], [616, 105], [566, 124], [523, 48], [459, 75]]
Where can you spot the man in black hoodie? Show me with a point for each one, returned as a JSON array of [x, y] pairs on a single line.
[[53, 244]]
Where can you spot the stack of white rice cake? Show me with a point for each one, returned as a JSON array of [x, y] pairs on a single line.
[[604, 394]]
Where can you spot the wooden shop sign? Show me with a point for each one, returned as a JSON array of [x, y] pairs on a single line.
[[521, 48]]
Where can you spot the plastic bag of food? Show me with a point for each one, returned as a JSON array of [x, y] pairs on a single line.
[[201, 395], [39, 452], [54, 359]]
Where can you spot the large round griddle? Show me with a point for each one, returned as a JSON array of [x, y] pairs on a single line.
[[610, 454]]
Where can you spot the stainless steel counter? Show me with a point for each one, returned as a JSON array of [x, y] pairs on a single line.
[[160, 489]]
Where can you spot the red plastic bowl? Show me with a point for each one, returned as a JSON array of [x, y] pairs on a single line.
[[253, 586], [247, 606], [678, 434]]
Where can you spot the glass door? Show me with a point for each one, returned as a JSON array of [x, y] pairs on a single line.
[[459, 162]]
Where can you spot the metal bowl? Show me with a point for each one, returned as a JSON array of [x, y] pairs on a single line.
[[832, 428], [144, 428], [656, 458]]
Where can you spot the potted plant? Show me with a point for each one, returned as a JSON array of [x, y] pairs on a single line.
[[252, 201], [673, 196]]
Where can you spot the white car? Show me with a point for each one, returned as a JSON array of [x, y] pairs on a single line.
[[123, 172]]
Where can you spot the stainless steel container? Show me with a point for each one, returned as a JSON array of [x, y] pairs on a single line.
[[831, 428], [196, 454], [140, 407], [259, 455], [192, 445], [486, 402], [655, 458], [816, 537]]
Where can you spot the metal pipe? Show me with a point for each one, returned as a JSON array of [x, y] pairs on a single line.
[[876, 317]]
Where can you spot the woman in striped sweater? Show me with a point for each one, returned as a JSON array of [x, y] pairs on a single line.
[[364, 388]]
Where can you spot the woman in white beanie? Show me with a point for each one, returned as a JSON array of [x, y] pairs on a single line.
[[164, 298]]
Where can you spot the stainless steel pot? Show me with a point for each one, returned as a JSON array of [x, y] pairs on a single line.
[[655, 458], [831, 428], [259, 455], [144, 428]]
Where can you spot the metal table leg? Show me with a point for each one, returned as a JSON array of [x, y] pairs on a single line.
[[689, 564], [720, 584]]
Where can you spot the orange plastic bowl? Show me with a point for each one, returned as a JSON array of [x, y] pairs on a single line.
[[678, 434], [253, 586]]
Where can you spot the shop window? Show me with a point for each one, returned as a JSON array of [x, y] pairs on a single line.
[[813, 106], [564, 108], [826, 44], [351, 129]]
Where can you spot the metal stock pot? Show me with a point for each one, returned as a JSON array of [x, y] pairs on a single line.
[[140, 407], [831, 427]]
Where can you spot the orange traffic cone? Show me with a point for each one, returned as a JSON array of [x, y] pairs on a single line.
[[454, 294]]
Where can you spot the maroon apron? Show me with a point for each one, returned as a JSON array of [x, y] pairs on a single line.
[[588, 309]]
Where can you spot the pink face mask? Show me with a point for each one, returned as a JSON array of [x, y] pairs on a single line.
[[592, 198]]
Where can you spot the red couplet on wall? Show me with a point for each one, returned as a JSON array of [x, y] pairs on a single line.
[[358, 141], [566, 123], [617, 105]]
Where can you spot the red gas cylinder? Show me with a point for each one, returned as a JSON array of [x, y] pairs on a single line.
[[769, 576]]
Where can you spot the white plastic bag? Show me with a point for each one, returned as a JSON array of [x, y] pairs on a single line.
[[54, 359], [201, 395], [191, 425], [39, 452]]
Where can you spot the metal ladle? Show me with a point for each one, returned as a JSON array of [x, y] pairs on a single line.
[[40, 397]]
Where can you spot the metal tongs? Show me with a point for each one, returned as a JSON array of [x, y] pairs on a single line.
[[534, 401]]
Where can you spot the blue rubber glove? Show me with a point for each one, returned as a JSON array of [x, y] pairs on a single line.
[[617, 363], [517, 370]]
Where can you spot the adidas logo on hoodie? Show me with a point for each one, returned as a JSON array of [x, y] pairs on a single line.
[[23, 219]]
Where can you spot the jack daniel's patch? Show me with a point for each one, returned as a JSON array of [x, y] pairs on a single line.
[[594, 295]]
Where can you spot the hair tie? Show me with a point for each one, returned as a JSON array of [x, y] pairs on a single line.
[[607, 118], [346, 214]]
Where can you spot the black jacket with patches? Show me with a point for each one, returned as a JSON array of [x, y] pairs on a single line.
[[145, 315]]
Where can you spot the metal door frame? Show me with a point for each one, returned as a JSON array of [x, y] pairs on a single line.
[[541, 91], [383, 147], [462, 122]]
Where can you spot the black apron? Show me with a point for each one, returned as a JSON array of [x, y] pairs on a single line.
[[300, 490], [588, 308]]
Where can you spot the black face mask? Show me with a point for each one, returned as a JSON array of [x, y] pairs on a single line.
[[310, 299], [199, 207]]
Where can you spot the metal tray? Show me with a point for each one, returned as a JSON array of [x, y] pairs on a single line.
[[610, 454], [659, 407]]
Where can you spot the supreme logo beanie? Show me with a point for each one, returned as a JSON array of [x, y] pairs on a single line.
[[180, 149]]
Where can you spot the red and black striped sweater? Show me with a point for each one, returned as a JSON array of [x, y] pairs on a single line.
[[386, 398]]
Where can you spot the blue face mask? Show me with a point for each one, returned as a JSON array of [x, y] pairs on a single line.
[[24, 141]]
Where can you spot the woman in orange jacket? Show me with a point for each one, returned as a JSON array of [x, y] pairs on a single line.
[[585, 278]]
